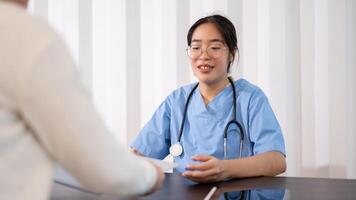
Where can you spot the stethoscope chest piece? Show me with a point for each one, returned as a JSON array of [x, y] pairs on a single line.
[[176, 149]]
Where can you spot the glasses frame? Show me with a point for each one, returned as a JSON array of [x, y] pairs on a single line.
[[188, 49]]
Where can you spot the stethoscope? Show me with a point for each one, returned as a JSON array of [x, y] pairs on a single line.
[[177, 149]]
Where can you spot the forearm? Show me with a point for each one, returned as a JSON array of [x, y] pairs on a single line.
[[265, 164], [72, 132]]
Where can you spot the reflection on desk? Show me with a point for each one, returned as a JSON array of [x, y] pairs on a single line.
[[177, 187], [255, 194]]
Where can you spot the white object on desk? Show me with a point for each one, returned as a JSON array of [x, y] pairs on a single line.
[[210, 194], [164, 165]]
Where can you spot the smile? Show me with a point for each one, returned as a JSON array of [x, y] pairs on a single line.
[[205, 67]]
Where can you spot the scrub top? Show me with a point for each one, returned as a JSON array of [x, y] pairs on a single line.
[[204, 125]]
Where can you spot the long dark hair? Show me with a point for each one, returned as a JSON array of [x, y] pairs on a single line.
[[226, 29]]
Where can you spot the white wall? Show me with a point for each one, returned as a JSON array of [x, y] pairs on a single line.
[[301, 52]]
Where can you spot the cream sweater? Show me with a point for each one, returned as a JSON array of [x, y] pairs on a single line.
[[46, 116]]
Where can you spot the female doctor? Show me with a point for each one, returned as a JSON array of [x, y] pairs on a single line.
[[218, 128]]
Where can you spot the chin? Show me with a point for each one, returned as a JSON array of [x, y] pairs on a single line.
[[206, 81]]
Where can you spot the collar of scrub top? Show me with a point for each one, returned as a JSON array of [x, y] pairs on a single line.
[[177, 149]]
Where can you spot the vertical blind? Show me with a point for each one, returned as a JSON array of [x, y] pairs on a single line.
[[300, 52]]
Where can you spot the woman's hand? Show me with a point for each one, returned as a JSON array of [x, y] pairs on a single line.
[[159, 180], [160, 173], [210, 170]]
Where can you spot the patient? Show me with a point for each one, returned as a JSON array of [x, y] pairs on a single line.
[[46, 116]]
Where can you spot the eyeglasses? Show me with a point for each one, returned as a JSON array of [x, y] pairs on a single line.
[[214, 51]]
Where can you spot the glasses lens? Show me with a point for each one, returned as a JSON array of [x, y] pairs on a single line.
[[194, 51], [215, 51]]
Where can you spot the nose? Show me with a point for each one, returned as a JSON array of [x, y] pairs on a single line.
[[204, 54]]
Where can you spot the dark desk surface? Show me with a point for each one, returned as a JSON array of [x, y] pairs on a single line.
[[177, 187]]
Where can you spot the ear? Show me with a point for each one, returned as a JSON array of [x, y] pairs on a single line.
[[232, 56]]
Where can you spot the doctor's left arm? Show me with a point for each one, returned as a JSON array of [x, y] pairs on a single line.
[[268, 157], [154, 139]]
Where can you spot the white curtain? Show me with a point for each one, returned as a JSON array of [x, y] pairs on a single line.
[[301, 52]]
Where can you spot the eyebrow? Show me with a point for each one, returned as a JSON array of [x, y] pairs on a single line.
[[213, 40]]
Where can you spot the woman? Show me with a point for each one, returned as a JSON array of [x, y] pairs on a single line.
[[190, 124], [48, 118]]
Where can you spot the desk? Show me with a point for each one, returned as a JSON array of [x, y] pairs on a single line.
[[177, 187]]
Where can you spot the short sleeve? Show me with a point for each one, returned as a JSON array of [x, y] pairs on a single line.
[[154, 139], [264, 129]]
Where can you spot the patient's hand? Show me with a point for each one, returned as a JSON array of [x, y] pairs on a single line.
[[159, 181]]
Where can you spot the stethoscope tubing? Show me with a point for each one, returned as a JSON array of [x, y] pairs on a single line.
[[232, 121], [185, 112]]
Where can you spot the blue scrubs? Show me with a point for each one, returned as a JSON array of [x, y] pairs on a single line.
[[255, 194], [204, 125]]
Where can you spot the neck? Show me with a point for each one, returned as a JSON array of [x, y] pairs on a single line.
[[209, 91]]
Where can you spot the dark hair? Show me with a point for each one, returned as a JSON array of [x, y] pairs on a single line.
[[224, 26]]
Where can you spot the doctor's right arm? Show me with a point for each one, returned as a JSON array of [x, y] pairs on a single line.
[[154, 138]]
